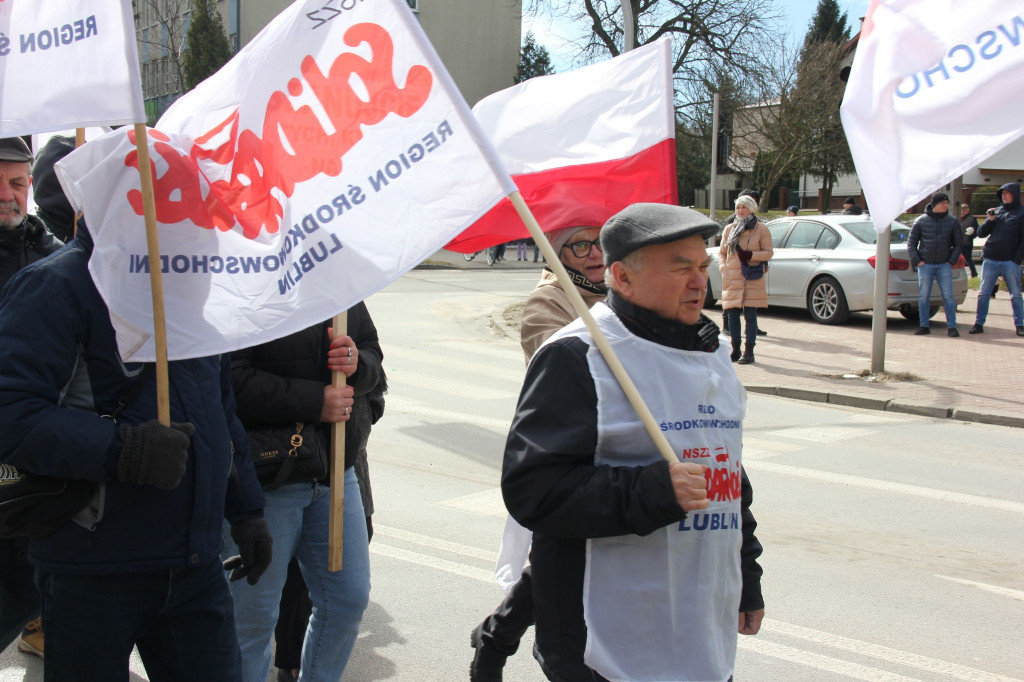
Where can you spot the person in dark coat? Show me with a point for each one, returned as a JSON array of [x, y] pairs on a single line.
[[22, 242], [934, 247], [1003, 253], [642, 568], [140, 565], [850, 207], [288, 381]]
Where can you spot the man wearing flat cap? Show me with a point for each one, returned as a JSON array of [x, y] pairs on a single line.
[[23, 237], [642, 569]]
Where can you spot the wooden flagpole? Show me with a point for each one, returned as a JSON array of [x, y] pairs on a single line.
[[628, 387], [336, 523], [156, 281], [79, 141]]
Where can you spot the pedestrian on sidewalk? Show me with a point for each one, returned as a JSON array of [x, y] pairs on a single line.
[[851, 207], [1003, 254], [934, 246], [521, 253], [756, 196], [546, 311], [743, 260], [970, 227]]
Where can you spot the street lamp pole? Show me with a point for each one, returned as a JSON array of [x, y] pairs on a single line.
[[628, 26]]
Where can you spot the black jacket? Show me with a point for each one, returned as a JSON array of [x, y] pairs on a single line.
[[966, 223], [25, 244], [283, 381], [935, 238], [1005, 231], [551, 486]]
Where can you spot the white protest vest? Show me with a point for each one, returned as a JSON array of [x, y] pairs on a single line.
[[664, 607]]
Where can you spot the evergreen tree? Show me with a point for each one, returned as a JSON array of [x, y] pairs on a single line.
[[827, 25], [534, 60], [207, 47]]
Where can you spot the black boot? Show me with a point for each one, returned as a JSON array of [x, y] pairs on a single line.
[[748, 355], [488, 662], [735, 351]]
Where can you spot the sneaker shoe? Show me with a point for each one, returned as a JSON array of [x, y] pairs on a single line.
[[1020, 331], [31, 641], [953, 332], [921, 331], [977, 329], [487, 662]]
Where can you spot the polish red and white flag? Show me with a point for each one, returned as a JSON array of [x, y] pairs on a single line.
[[327, 158], [582, 145], [68, 64]]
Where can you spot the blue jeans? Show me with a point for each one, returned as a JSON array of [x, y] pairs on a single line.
[[749, 317], [298, 514], [943, 274], [19, 598], [181, 620], [990, 272]]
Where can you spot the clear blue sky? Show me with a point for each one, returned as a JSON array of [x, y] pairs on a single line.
[[552, 33]]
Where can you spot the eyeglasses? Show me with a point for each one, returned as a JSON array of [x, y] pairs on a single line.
[[581, 249]]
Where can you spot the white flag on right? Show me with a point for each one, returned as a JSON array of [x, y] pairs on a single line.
[[936, 87]]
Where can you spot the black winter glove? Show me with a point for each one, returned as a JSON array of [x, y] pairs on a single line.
[[255, 548], [154, 454], [708, 337]]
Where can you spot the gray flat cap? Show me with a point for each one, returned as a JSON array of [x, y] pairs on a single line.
[[640, 225], [14, 149]]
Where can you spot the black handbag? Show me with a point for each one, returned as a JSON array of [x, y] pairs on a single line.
[[752, 271], [285, 453]]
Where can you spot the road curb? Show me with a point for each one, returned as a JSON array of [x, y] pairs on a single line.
[[932, 411]]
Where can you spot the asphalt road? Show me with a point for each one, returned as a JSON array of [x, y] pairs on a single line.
[[892, 543]]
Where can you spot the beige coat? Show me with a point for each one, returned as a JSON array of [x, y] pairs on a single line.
[[547, 310], [738, 292]]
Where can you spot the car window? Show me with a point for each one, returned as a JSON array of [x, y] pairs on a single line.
[[827, 240], [865, 232], [778, 231], [804, 235]]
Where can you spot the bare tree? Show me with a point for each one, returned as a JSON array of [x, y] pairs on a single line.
[[160, 27]]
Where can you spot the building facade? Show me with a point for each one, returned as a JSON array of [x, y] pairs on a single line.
[[478, 40]]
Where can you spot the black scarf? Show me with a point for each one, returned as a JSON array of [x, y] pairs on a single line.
[[580, 280], [702, 336]]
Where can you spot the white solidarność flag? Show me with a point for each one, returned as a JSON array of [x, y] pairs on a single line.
[[67, 64], [936, 87], [329, 157]]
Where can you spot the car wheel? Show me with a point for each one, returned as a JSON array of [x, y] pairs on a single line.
[[709, 298], [826, 302]]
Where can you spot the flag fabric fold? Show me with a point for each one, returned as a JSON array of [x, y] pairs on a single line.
[[329, 157], [582, 145], [936, 87], [68, 64]]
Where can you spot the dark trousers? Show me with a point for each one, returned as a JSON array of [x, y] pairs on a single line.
[[19, 599], [969, 261], [182, 621], [503, 629], [732, 317]]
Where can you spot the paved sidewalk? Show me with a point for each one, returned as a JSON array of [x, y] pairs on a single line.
[[973, 378]]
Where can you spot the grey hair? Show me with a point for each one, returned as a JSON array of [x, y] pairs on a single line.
[[631, 261]]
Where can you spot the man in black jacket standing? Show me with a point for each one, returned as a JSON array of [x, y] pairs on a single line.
[[1003, 253], [970, 227], [24, 239], [935, 245], [667, 550]]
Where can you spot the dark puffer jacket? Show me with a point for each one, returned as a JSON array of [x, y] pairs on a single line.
[[25, 244], [59, 372], [935, 238], [1005, 231], [283, 381]]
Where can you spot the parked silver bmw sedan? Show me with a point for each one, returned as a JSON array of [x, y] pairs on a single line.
[[826, 264]]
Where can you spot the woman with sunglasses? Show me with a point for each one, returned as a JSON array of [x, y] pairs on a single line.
[[547, 310]]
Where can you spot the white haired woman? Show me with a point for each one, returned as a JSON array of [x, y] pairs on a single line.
[[743, 259]]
